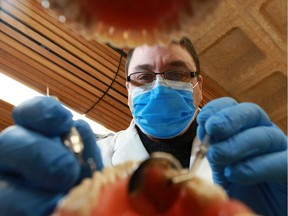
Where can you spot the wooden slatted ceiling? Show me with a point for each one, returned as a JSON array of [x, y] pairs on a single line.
[[86, 76], [5, 114]]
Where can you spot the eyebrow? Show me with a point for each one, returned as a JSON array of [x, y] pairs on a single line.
[[144, 67], [176, 63]]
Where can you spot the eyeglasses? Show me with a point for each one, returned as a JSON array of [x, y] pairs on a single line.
[[142, 78]]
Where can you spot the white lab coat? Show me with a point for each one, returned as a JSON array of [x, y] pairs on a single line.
[[126, 145]]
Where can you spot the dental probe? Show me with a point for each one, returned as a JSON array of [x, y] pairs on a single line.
[[201, 151], [73, 141]]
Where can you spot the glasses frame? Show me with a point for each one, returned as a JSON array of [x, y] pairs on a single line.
[[192, 75]]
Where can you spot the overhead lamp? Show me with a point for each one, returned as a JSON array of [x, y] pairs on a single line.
[[14, 92]]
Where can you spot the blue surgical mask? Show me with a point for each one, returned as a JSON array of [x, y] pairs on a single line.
[[163, 111]]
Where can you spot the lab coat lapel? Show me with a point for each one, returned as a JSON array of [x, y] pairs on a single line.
[[129, 146]]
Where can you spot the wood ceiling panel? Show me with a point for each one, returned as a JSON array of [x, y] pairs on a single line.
[[41, 53], [5, 114], [43, 23], [17, 70]]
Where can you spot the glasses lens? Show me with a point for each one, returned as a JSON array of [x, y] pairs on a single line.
[[142, 78], [182, 76]]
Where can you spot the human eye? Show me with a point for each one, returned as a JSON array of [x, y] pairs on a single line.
[[183, 76], [144, 76], [141, 78]]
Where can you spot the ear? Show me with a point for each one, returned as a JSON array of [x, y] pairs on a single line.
[[129, 102], [200, 80], [197, 95]]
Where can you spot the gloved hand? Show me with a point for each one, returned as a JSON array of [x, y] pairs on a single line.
[[248, 154], [36, 169]]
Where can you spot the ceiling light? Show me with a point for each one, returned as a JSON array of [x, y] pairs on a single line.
[[14, 93]]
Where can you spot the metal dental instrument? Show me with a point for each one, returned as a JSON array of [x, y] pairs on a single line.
[[201, 151], [166, 160], [74, 143]]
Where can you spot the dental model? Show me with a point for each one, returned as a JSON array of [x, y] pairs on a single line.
[[131, 189], [129, 23]]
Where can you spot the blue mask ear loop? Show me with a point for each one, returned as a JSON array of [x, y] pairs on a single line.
[[196, 113], [192, 120], [194, 86], [198, 109]]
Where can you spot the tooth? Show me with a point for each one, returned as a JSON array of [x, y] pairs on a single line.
[[62, 18], [111, 30], [126, 35], [45, 4]]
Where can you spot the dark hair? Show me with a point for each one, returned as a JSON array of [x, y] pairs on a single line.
[[184, 42]]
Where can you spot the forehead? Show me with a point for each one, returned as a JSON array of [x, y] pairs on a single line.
[[159, 57]]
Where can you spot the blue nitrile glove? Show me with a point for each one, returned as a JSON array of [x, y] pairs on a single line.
[[36, 169], [248, 154]]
